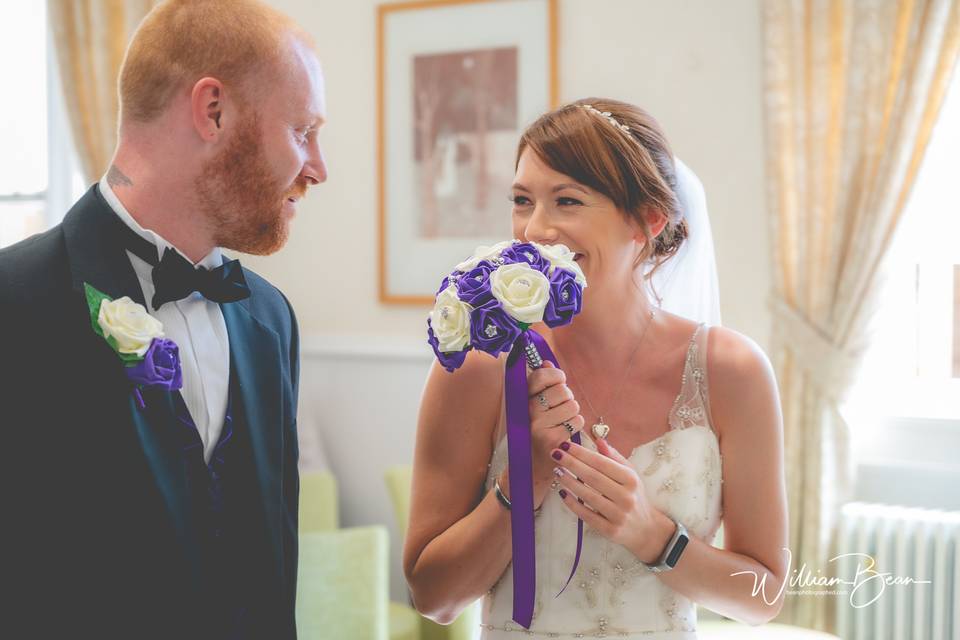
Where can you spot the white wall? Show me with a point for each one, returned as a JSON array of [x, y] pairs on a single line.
[[694, 64]]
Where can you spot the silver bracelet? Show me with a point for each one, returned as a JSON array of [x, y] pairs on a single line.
[[504, 500]]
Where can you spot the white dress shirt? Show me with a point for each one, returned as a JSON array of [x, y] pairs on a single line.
[[197, 326]]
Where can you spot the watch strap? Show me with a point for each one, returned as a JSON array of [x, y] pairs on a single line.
[[672, 552]]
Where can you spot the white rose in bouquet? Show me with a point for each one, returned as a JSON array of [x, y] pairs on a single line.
[[560, 256], [522, 290], [450, 320], [483, 253]]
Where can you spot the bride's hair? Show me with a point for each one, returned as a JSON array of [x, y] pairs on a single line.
[[619, 150]]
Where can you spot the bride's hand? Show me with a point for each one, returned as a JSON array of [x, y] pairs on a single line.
[[610, 498], [551, 405]]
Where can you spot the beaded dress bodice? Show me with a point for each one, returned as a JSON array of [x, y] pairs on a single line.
[[613, 594]]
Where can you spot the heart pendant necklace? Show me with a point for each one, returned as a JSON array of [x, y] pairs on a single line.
[[601, 429]]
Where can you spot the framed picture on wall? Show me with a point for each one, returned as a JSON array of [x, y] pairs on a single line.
[[458, 81]]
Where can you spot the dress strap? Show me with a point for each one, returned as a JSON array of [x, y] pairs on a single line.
[[691, 407]]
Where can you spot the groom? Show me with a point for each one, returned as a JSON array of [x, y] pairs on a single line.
[[163, 504]]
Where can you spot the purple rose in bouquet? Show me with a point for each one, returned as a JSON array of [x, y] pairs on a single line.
[[491, 329], [566, 298], [473, 287], [526, 252]]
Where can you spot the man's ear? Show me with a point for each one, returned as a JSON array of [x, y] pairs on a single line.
[[206, 107]]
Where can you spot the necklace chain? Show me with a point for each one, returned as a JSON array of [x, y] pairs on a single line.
[[623, 380]]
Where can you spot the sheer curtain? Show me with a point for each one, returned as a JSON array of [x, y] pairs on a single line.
[[90, 37], [852, 91]]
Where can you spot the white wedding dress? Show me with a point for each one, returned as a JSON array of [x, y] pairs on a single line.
[[613, 594]]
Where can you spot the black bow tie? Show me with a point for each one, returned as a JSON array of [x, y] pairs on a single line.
[[174, 278]]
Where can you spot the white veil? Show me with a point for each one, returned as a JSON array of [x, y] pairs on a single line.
[[687, 283]]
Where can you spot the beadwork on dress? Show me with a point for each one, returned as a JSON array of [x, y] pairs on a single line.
[[682, 474]]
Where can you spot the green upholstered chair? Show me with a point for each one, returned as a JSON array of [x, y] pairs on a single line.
[[404, 622], [319, 513], [318, 502], [342, 584], [466, 625]]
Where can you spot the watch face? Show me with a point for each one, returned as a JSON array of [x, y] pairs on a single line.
[[677, 549]]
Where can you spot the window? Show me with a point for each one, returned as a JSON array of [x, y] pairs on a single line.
[[904, 409], [913, 366], [38, 174]]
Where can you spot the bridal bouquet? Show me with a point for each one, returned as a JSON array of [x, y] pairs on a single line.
[[493, 297], [489, 303]]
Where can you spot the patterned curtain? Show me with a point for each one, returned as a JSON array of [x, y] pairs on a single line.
[[852, 91], [90, 37]]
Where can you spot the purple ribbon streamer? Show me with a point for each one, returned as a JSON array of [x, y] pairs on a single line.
[[519, 455]]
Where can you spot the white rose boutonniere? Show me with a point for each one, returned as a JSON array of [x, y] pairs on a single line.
[[150, 361], [129, 324]]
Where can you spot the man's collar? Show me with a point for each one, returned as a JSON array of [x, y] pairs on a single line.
[[211, 261]]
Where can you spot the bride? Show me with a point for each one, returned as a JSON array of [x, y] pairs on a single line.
[[680, 419]]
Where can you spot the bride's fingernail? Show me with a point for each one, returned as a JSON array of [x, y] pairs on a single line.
[[563, 493], [557, 455], [565, 446]]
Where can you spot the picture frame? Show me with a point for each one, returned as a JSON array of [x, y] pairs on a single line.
[[457, 83]]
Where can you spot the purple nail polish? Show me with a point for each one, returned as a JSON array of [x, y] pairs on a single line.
[[565, 446], [563, 493], [557, 455]]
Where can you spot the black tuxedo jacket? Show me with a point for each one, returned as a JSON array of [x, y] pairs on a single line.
[[97, 535]]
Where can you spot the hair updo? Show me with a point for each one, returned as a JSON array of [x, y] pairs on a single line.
[[633, 168]]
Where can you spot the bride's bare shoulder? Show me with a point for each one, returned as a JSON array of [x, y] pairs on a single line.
[[730, 352], [742, 384]]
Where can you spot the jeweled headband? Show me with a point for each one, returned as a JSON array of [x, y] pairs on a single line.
[[606, 115]]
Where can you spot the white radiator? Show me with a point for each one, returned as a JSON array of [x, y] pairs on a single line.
[[908, 545]]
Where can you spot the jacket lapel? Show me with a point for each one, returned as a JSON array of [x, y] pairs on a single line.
[[97, 257], [96, 251], [255, 356]]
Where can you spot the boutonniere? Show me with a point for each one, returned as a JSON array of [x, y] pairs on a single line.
[[149, 359]]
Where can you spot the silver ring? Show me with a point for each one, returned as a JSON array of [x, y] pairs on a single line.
[[542, 399], [569, 427]]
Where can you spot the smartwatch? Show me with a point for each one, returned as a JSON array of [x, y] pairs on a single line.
[[671, 554]]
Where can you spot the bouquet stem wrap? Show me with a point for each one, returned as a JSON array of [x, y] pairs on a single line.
[[519, 454]]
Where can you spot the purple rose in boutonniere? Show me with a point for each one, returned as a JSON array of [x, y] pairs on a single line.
[[150, 360], [160, 366]]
